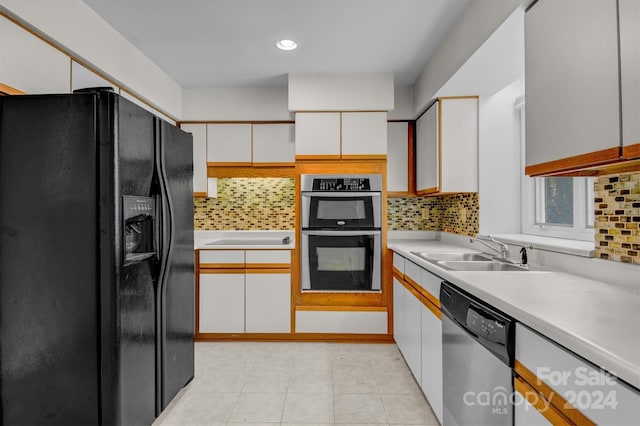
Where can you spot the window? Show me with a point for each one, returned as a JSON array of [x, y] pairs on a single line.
[[559, 207]]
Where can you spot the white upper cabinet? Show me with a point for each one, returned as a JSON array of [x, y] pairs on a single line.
[[629, 11], [274, 144], [398, 169], [82, 77], [229, 143], [364, 133], [572, 93], [29, 64], [318, 134], [427, 161], [447, 147], [199, 132], [335, 135]]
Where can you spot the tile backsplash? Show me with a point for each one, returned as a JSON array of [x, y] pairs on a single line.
[[248, 204], [269, 204], [617, 217], [456, 213]]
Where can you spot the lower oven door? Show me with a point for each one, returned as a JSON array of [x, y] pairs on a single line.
[[341, 260]]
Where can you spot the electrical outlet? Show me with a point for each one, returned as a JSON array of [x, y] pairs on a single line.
[[425, 214], [463, 214]]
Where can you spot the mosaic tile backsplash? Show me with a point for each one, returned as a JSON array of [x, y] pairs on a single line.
[[248, 204], [458, 213], [269, 204], [617, 217]]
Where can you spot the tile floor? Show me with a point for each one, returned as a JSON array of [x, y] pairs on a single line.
[[299, 384]]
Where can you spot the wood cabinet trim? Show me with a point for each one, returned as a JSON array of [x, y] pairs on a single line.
[[435, 310], [342, 308], [268, 270], [298, 337], [200, 195], [222, 268], [427, 191], [8, 90], [557, 400], [275, 164], [251, 172], [590, 159], [631, 151], [544, 407], [230, 164]]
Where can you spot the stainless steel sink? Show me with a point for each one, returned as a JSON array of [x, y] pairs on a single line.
[[453, 256], [480, 266]]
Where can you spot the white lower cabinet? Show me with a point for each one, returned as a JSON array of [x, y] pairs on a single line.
[[244, 291], [525, 414], [413, 347], [221, 304], [268, 303], [595, 395], [417, 328], [431, 347]]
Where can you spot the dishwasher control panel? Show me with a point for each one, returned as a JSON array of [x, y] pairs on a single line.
[[486, 325]]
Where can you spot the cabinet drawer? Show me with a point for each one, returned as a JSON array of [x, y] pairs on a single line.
[[431, 283], [398, 263], [264, 258], [602, 398], [224, 258], [412, 272]]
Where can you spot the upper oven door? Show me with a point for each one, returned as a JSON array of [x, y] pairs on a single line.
[[335, 210]]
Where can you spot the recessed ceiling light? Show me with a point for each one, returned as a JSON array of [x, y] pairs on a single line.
[[286, 44]]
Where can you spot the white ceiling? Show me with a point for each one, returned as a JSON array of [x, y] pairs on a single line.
[[231, 43]]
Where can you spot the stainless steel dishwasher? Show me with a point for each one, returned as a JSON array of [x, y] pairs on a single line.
[[477, 353]]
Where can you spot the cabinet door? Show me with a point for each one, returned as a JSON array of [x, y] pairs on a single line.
[[398, 168], [524, 413], [221, 307], [29, 64], [268, 303], [318, 134], [572, 96], [629, 12], [398, 314], [427, 152], [431, 361], [199, 132], [274, 144], [413, 355], [229, 144], [458, 146], [364, 134]]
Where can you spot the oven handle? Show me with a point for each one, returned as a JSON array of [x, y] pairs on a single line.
[[340, 194], [340, 233]]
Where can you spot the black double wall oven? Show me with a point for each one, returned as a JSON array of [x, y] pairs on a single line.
[[341, 229]]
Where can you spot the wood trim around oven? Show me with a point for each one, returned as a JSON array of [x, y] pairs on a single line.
[[567, 409], [591, 159], [630, 152]]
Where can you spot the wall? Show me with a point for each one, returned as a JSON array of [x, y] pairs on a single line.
[[617, 217], [458, 213], [236, 104], [79, 32], [248, 204], [476, 25]]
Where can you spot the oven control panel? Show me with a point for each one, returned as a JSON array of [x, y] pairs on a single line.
[[341, 184]]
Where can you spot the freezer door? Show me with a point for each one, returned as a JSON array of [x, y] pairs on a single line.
[[177, 283], [48, 261]]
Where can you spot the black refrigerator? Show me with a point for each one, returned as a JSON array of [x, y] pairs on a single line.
[[96, 260]]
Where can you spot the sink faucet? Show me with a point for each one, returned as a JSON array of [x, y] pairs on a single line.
[[504, 249]]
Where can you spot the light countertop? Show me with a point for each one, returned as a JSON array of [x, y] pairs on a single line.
[[594, 319], [244, 240]]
